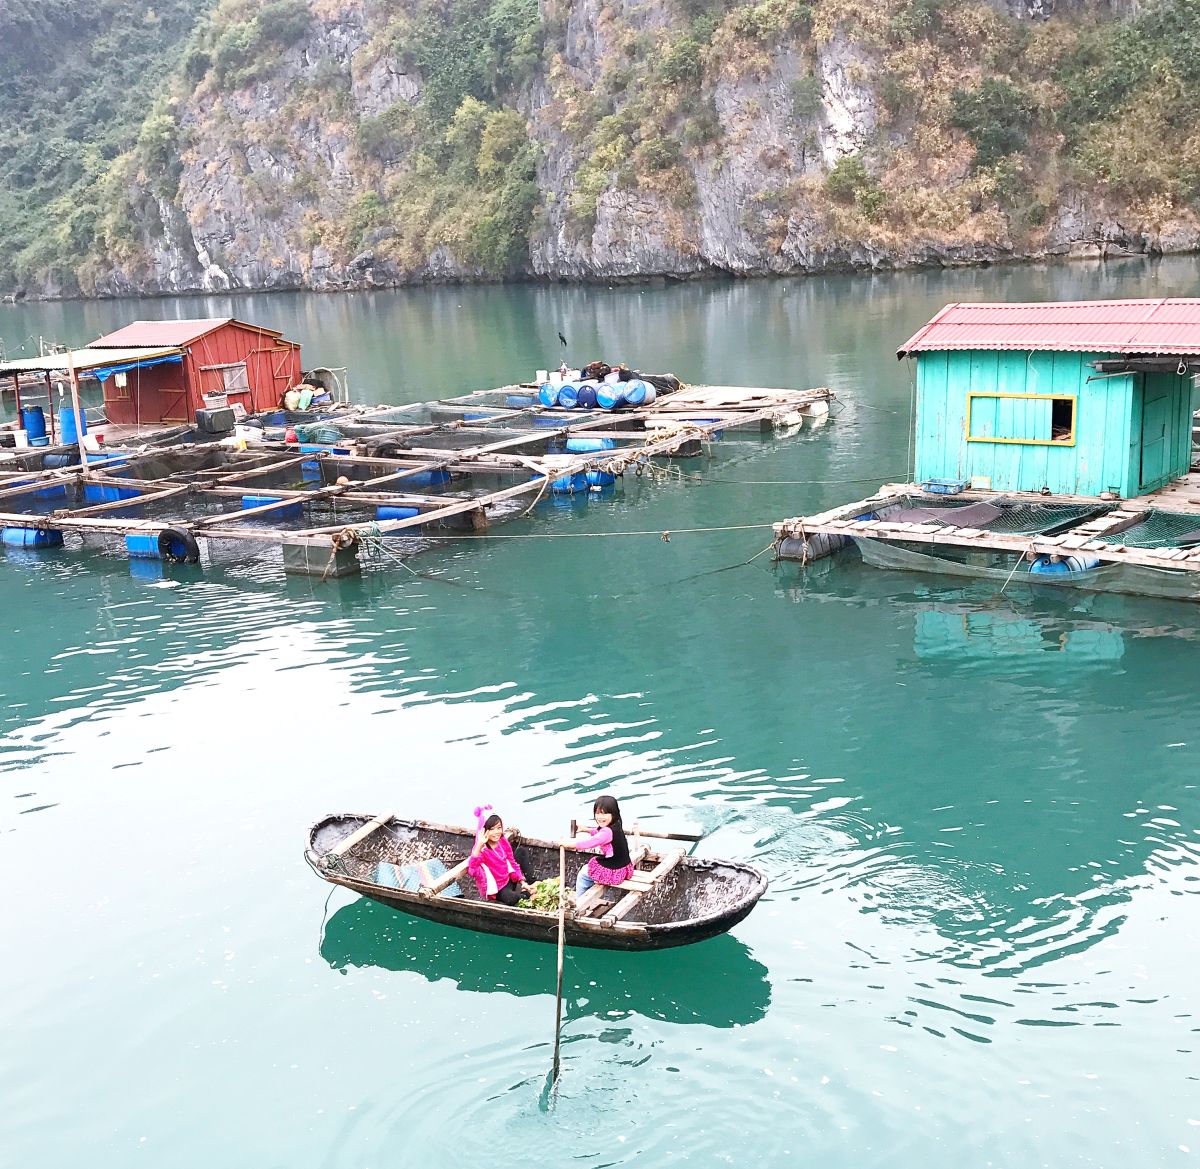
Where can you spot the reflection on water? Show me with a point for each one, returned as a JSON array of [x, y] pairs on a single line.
[[971, 633], [717, 983]]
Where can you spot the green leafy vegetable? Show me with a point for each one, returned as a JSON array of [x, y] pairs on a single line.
[[543, 897]]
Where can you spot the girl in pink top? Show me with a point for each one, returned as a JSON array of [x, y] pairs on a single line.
[[497, 875], [612, 864]]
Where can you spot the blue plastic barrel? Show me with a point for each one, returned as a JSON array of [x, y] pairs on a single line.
[[142, 545], [586, 398], [588, 446], [639, 393], [438, 477], [575, 484], [107, 493], [33, 422], [601, 478], [548, 394], [288, 512], [396, 513], [66, 425], [1045, 566], [568, 396], [569, 484], [518, 401], [610, 397], [30, 538]]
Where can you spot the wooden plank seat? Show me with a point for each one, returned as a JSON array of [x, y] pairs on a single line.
[[594, 898], [632, 899], [355, 837]]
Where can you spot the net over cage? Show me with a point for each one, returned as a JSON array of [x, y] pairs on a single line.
[[1021, 519]]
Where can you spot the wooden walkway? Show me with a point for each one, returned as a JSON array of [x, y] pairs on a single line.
[[816, 536]]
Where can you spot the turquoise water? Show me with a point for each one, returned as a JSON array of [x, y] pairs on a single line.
[[979, 812]]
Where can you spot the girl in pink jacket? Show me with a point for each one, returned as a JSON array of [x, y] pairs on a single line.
[[497, 875], [612, 864]]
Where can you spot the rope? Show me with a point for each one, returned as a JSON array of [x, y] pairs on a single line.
[[596, 535], [883, 477], [372, 540], [346, 538], [536, 498], [1030, 552]]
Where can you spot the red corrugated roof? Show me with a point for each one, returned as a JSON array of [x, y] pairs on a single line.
[[1169, 326], [174, 333]]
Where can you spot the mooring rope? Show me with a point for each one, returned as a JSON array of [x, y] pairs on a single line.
[[884, 477], [1020, 557], [659, 532]]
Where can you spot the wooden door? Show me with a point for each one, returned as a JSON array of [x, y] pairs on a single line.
[[1157, 401]]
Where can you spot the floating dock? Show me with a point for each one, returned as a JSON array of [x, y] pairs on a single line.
[[1146, 546], [356, 476], [1051, 441]]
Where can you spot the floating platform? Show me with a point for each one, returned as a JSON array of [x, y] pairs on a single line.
[[357, 475], [1145, 546]]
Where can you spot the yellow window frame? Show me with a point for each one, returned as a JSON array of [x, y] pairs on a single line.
[[1065, 442]]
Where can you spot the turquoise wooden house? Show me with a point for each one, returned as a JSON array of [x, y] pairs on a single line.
[[1077, 397]]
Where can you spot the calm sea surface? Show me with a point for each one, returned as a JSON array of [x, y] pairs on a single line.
[[979, 814]]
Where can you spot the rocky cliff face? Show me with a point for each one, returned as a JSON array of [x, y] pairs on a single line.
[[274, 174]]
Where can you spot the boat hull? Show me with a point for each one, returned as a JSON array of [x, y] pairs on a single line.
[[721, 892]]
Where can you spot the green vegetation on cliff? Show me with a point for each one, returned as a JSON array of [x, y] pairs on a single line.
[[77, 81], [463, 169]]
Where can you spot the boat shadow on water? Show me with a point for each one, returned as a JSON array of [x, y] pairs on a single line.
[[717, 983]]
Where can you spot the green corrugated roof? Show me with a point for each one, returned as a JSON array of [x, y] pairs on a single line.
[[84, 360]]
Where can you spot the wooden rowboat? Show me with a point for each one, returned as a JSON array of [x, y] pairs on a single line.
[[671, 900]]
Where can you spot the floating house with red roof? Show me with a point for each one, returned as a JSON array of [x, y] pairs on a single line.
[[167, 370], [1077, 398]]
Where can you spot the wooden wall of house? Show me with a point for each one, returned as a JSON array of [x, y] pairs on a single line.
[[1098, 461], [156, 394], [272, 365]]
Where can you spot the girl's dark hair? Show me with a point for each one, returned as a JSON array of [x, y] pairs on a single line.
[[609, 804], [491, 822]]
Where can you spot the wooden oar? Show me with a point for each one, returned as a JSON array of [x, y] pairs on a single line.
[[562, 933], [693, 837]]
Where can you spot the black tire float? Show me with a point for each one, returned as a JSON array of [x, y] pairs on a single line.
[[178, 546]]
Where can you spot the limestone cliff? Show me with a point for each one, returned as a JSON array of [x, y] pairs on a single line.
[[624, 139]]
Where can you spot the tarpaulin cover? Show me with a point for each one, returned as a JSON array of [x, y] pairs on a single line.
[[106, 371]]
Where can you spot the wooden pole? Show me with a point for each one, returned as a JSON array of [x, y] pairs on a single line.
[[50, 406], [693, 837], [79, 416], [562, 933]]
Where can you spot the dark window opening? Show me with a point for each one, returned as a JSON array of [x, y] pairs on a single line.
[[1062, 419]]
